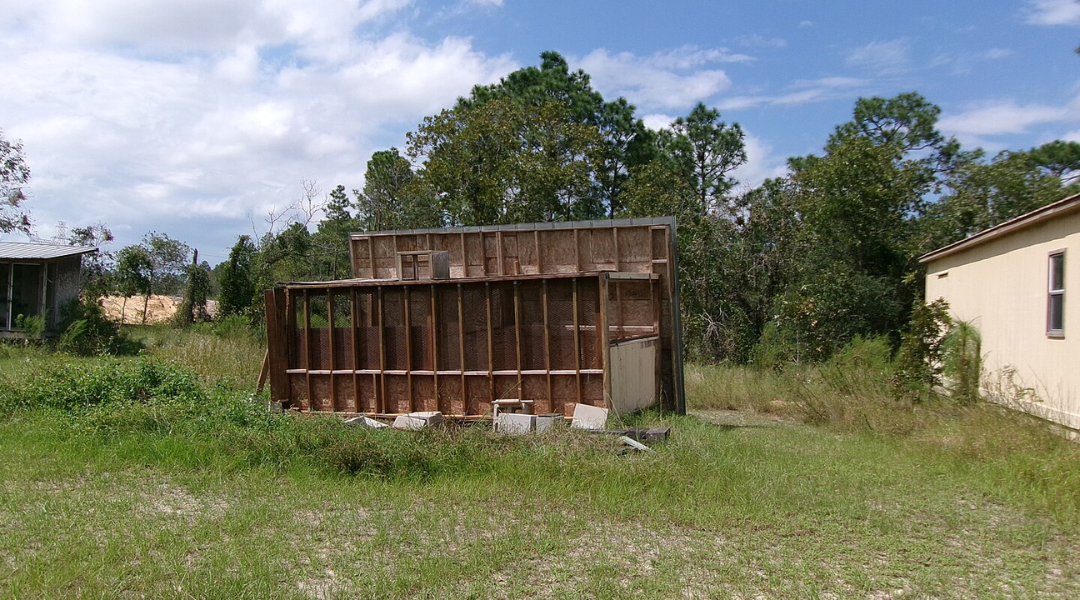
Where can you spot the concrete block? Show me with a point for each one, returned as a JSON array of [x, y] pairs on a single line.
[[418, 420], [545, 422], [365, 422], [515, 423], [589, 417]]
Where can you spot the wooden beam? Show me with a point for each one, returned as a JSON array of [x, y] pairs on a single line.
[[603, 336], [433, 323], [461, 349], [577, 337], [408, 348], [517, 336], [382, 351], [490, 342], [330, 338], [307, 348], [547, 346]]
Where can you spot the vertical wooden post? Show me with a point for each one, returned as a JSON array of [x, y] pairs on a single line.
[[539, 251], [433, 324], [279, 336], [577, 251], [330, 337], [353, 324], [408, 347], [461, 349], [547, 346], [577, 337], [307, 348], [382, 351], [517, 335], [602, 337], [499, 250], [490, 343], [371, 257], [618, 259], [464, 257]]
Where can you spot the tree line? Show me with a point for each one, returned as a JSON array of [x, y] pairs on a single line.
[[788, 271]]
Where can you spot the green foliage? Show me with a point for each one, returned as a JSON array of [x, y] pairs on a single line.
[[33, 327], [919, 360], [235, 279], [962, 362], [507, 162], [394, 197], [14, 174], [193, 308], [86, 331]]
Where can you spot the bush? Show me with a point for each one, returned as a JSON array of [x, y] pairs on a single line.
[[88, 333], [962, 362]]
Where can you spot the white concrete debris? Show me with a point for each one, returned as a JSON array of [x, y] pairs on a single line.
[[365, 422], [589, 417], [418, 420]]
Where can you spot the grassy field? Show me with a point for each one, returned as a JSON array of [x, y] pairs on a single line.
[[157, 477]]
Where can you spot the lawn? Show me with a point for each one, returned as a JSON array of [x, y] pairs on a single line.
[[154, 498]]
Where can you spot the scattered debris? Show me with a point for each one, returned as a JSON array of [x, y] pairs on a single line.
[[636, 445], [418, 420], [545, 422], [366, 422], [515, 423], [589, 417], [648, 434]]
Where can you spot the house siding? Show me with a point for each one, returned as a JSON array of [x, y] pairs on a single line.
[[1000, 286]]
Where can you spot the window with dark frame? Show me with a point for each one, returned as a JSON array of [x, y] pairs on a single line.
[[1055, 306]]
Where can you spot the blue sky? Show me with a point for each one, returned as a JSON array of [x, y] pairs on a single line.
[[198, 118]]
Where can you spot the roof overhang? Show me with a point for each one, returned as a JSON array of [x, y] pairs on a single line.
[[1039, 215], [35, 251]]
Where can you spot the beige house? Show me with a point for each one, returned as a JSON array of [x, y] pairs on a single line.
[[1016, 283]]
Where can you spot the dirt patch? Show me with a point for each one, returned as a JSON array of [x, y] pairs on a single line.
[[159, 309], [741, 418]]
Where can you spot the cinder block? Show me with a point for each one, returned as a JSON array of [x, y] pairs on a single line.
[[545, 422], [418, 420], [589, 417], [515, 423]]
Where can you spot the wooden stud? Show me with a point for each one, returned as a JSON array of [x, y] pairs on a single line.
[[577, 252], [490, 342], [464, 256], [577, 339], [371, 256], [307, 348], [539, 252], [547, 345], [517, 335], [353, 328], [382, 352], [330, 338], [602, 337], [499, 250], [408, 348], [433, 333], [461, 349]]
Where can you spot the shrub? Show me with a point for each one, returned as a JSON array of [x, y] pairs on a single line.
[[962, 362], [919, 360], [88, 333]]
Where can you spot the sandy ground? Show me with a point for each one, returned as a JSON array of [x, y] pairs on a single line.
[[159, 310]]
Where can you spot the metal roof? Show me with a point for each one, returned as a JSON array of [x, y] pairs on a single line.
[[35, 251]]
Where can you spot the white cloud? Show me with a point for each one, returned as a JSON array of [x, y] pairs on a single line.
[[806, 24], [672, 79], [803, 91], [761, 164], [658, 121], [884, 57], [1053, 12], [1000, 118], [199, 141]]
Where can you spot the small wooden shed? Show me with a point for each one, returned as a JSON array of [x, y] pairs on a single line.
[[35, 281], [457, 319]]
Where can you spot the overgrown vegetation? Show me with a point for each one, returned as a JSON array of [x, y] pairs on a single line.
[[143, 474]]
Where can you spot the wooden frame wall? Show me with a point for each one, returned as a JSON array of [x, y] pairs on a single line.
[[387, 348], [627, 245]]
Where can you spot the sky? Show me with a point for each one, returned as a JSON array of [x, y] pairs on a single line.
[[199, 118]]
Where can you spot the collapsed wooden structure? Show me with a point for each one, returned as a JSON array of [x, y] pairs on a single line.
[[457, 319]]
